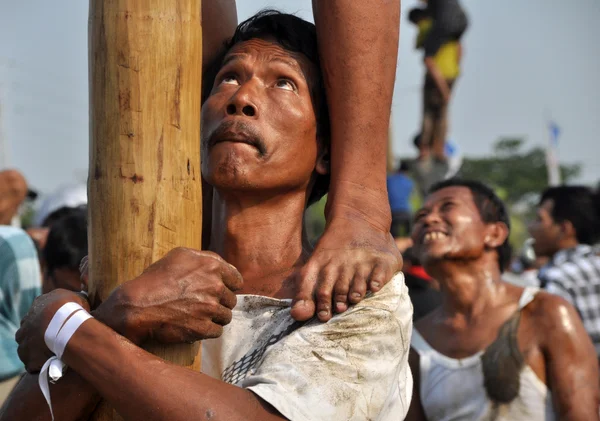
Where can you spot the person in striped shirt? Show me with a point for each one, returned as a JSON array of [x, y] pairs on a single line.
[[20, 283], [566, 227]]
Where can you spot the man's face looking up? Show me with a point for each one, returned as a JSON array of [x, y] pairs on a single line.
[[259, 129]]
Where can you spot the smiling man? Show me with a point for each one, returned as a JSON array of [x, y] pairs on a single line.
[[492, 350], [265, 136]]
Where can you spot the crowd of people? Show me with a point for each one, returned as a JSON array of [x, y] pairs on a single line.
[[467, 330]]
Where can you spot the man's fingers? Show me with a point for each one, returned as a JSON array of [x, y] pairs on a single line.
[[221, 315], [197, 330], [209, 330], [323, 292], [232, 277], [228, 298], [303, 306]]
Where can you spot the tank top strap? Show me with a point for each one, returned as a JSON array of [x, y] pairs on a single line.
[[527, 296], [419, 343]]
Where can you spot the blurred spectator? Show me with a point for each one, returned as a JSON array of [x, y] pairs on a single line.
[[54, 207], [20, 283], [423, 290], [69, 196], [13, 191], [66, 246], [566, 227], [400, 187], [525, 268]]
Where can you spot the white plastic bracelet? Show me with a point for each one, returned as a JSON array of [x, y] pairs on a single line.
[[63, 325]]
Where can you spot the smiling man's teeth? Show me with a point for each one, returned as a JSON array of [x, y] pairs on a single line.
[[433, 236]]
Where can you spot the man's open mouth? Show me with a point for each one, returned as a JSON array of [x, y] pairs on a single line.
[[434, 235]]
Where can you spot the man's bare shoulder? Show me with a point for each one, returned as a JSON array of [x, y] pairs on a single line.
[[551, 314]]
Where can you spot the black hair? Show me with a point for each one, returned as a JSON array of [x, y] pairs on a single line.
[[58, 214], [404, 166], [580, 206], [417, 140], [296, 35], [491, 209], [416, 14], [67, 241]]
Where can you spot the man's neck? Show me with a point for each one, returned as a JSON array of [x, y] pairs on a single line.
[[566, 244], [468, 288], [261, 238]]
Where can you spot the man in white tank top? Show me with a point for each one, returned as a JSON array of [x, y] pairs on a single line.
[[492, 350]]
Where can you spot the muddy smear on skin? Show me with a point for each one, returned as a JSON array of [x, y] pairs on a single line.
[[502, 363]]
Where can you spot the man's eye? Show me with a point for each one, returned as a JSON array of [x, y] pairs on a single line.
[[286, 84], [230, 80]]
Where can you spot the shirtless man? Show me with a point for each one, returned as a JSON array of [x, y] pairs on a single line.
[[492, 351], [358, 45], [265, 139]]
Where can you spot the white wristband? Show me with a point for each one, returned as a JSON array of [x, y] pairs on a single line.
[[57, 322], [56, 337]]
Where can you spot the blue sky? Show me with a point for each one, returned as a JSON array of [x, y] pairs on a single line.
[[524, 61]]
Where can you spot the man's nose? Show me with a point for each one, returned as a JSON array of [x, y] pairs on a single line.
[[432, 217], [242, 104]]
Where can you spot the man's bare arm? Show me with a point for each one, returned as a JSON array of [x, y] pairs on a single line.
[[72, 399], [141, 386], [571, 361], [219, 20]]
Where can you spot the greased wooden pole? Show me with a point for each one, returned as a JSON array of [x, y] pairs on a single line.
[[145, 65]]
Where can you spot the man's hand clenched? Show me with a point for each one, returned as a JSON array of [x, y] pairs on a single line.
[[186, 296]]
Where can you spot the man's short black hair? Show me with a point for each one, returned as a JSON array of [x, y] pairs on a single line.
[[417, 14], [296, 35], [404, 166], [578, 205], [491, 209], [58, 214], [67, 241]]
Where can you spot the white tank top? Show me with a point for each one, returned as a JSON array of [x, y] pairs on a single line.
[[452, 389]]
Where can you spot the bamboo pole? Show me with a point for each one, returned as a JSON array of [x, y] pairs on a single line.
[[145, 64]]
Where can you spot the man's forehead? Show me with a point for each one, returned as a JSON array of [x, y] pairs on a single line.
[[268, 51], [460, 193]]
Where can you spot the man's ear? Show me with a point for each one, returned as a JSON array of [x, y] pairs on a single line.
[[567, 230], [322, 167], [496, 234]]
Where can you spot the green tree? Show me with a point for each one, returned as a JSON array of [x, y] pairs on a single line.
[[518, 176]]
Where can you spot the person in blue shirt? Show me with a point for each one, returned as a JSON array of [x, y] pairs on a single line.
[[400, 188], [20, 283]]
